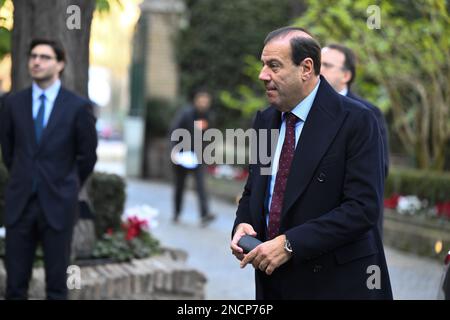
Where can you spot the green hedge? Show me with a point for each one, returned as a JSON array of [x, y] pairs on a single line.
[[107, 194], [430, 185]]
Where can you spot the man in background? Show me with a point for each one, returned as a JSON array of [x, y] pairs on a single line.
[[49, 142], [339, 68], [192, 117]]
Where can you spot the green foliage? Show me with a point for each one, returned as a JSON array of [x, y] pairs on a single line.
[[5, 42], [212, 49], [5, 38], [103, 6], [404, 65], [246, 99], [411, 32], [115, 246], [107, 194], [431, 185]]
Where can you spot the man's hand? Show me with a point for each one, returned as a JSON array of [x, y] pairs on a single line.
[[241, 230], [268, 256]]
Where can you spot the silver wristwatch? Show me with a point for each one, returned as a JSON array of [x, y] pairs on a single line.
[[287, 246]]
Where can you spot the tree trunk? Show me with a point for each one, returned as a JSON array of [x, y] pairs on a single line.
[[49, 19]]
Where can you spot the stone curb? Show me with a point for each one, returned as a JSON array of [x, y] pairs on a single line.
[[164, 276]]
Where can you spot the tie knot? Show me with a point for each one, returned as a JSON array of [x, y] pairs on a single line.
[[42, 97], [291, 119]]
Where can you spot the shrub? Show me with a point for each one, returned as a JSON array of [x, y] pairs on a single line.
[[107, 194], [429, 185], [117, 248]]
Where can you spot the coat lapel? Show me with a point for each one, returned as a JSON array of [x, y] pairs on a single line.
[[271, 120], [324, 120], [55, 116], [28, 112]]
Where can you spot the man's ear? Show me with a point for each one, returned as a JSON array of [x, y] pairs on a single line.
[[307, 69], [347, 76], [61, 66]]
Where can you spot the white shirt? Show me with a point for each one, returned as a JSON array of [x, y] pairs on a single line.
[[343, 91], [50, 97]]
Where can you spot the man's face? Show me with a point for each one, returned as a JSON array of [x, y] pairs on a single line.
[[43, 65], [202, 101], [333, 69], [281, 77]]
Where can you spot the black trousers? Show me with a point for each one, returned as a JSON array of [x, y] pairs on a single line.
[[22, 239], [180, 179]]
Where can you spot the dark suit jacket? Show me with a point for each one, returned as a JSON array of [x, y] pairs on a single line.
[[384, 136], [331, 204], [382, 125], [61, 162]]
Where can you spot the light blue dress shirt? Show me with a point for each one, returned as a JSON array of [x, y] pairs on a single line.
[[343, 91], [301, 111], [50, 97]]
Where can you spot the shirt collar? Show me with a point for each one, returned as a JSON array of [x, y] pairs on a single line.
[[50, 93], [303, 108], [344, 91]]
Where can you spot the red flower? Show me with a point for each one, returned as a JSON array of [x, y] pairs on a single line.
[[241, 174], [392, 202], [109, 231], [133, 227], [443, 209]]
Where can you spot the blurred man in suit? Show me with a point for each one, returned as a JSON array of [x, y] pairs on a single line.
[[317, 211], [339, 68], [49, 145], [195, 116]]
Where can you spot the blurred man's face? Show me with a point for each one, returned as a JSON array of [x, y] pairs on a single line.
[[333, 68], [43, 65], [202, 101], [281, 77]]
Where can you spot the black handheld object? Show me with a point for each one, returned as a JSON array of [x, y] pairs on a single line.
[[248, 243]]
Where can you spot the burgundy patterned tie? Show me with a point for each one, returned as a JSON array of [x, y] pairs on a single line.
[[284, 164]]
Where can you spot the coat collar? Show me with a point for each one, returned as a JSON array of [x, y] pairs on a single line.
[[326, 117]]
